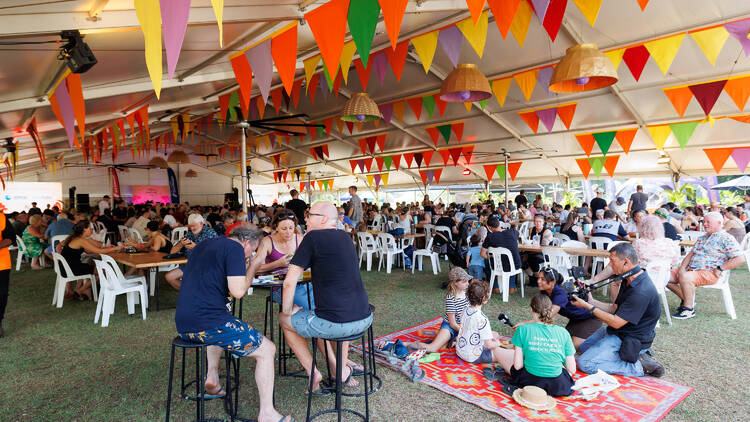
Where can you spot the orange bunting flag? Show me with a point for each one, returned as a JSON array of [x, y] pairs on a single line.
[[585, 167], [489, 170], [284, 53], [504, 11], [625, 138], [531, 119], [513, 169], [475, 8], [739, 90], [276, 96], [328, 26], [718, 156], [393, 14], [610, 163], [434, 134], [244, 76], [363, 73], [566, 113], [679, 97], [76, 99], [398, 110], [416, 106], [587, 143]]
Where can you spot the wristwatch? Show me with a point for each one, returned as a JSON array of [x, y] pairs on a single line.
[[592, 309], [718, 267]]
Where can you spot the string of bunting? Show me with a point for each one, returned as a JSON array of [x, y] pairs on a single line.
[[596, 164], [491, 169], [456, 153], [604, 140], [548, 115], [377, 179], [445, 130], [719, 156], [707, 93], [428, 176]]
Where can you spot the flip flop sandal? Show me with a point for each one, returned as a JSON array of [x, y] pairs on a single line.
[[345, 384], [320, 392], [357, 371], [416, 355], [429, 358], [217, 395]]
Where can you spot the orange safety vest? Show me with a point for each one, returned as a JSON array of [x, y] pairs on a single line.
[[4, 252]]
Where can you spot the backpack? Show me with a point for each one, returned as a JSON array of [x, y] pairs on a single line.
[[457, 256]]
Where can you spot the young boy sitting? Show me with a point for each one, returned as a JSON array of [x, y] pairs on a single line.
[[476, 341]]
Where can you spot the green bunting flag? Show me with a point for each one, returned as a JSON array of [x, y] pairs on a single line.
[[362, 19], [429, 104], [604, 140], [388, 161], [445, 130], [683, 131], [329, 81], [500, 170], [597, 163], [234, 102]]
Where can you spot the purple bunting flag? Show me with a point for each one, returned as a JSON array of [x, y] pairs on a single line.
[[543, 78], [380, 63], [361, 165], [377, 180], [547, 116], [174, 20], [540, 7], [387, 111], [741, 156], [261, 63], [740, 30], [66, 111], [323, 88], [450, 40], [430, 175]]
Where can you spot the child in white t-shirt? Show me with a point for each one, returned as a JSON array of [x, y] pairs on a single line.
[[476, 342]]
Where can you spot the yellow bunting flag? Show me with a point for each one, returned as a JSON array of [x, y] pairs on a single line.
[[664, 50], [384, 179], [520, 25], [527, 81], [589, 9], [659, 134], [468, 105], [615, 56], [346, 59], [149, 16], [310, 65], [218, 6], [370, 179], [425, 46], [711, 41], [476, 35], [500, 87]]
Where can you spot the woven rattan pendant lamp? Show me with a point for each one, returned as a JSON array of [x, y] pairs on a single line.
[[158, 163], [360, 108], [191, 173], [584, 68], [178, 156], [465, 84]]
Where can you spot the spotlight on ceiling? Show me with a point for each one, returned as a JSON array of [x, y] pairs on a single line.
[[663, 158], [466, 172], [76, 53]]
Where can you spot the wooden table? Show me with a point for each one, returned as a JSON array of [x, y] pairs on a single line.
[[571, 251], [147, 260], [683, 243]]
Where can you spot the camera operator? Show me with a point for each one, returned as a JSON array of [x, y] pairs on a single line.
[[622, 347]]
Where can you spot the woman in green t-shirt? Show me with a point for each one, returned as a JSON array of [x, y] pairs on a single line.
[[543, 353]]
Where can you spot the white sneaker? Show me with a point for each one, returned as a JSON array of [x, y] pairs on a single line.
[[684, 313]]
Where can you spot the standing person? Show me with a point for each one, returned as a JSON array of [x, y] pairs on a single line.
[[341, 303], [637, 200], [215, 273], [521, 199], [499, 238], [598, 203], [620, 208], [104, 204], [34, 209], [296, 205], [355, 206], [6, 239]]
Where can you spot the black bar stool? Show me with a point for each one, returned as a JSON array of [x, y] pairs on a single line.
[[231, 380], [339, 410]]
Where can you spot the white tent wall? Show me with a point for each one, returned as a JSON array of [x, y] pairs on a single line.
[[206, 189]]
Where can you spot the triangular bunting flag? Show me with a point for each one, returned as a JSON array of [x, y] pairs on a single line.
[[625, 138], [455, 154], [553, 18], [544, 76], [368, 164], [296, 88], [377, 180], [604, 140], [328, 24], [547, 117], [738, 89], [664, 50], [429, 104], [384, 178], [659, 134], [643, 4], [75, 90], [393, 14], [276, 95], [475, 9], [353, 164], [610, 163], [476, 35], [489, 170], [416, 106], [397, 57], [381, 142], [427, 155], [500, 88], [718, 156], [683, 131], [504, 11], [436, 174], [425, 46], [346, 60], [741, 157], [445, 130], [388, 161], [243, 74], [587, 143], [175, 15], [450, 40], [362, 22], [310, 65], [739, 30], [540, 8], [513, 169], [520, 25], [707, 93], [531, 119], [380, 64], [615, 56], [418, 157], [445, 154], [636, 58], [597, 163], [149, 17], [589, 9], [458, 130], [711, 41], [398, 110], [379, 162], [434, 134], [500, 171], [370, 179], [566, 114], [363, 73], [218, 6], [679, 97], [407, 159], [261, 62], [423, 175], [396, 161], [526, 81], [284, 53]]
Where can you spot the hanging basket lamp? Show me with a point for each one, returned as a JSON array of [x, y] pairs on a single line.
[[465, 84], [206, 150], [158, 163], [584, 68], [191, 173], [178, 156], [360, 108]]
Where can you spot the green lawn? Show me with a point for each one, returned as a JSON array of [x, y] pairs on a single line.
[[56, 365]]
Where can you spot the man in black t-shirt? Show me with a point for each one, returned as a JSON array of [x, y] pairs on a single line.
[[341, 303], [297, 205], [670, 231], [598, 203], [499, 238], [521, 199], [622, 346], [637, 200]]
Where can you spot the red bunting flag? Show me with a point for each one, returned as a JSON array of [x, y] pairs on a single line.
[[446, 155], [407, 159], [636, 58], [440, 104], [513, 169], [396, 161], [276, 95], [531, 119], [368, 163], [434, 134], [296, 88], [437, 174], [379, 163], [458, 130], [363, 73], [707, 94], [554, 16], [455, 154], [427, 157], [397, 57], [416, 106], [489, 170], [468, 153], [244, 76]]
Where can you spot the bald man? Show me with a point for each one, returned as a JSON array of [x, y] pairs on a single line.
[[717, 251], [341, 303]]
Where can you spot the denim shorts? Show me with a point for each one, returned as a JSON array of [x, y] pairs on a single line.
[[447, 326], [301, 297], [309, 325], [235, 336]]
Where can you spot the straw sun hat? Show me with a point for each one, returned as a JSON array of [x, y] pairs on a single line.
[[534, 398]]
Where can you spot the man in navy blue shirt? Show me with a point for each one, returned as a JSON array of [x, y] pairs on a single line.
[[216, 272], [499, 238]]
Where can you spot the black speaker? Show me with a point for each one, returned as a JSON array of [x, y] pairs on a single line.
[[82, 202], [72, 196], [232, 196]]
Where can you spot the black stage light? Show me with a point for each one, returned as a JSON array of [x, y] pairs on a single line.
[[76, 53]]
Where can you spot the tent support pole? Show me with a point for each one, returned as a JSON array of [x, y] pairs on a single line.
[[243, 167], [505, 179]]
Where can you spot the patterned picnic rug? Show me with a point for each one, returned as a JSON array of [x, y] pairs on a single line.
[[637, 399]]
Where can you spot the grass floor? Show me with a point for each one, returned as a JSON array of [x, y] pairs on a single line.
[[56, 365]]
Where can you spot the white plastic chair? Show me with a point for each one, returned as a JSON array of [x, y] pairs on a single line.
[[658, 272], [562, 237], [523, 230], [99, 227], [56, 240], [557, 259], [135, 236], [504, 225], [723, 285], [575, 259], [113, 284], [445, 231], [367, 246], [745, 247], [388, 249], [21, 249], [691, 235], [61, 281], [419, 255], [496, 255], [124, 232], [178, 233], [601, 243]]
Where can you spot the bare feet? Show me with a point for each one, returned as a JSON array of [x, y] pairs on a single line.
[[317, 378], [36, 267], [213, 386], [416, 345]]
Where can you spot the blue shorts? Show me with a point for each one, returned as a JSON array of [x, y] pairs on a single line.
[[235, 336], [309, 325], [447, 326], [300, 296]]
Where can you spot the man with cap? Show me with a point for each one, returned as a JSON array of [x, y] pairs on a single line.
[[598, 203], [620, 208]]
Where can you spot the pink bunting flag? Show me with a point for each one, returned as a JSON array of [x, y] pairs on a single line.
[[450, 40], [377, 179], [387, 111], [174, 20], [261, 62], [543, 78], [741, 156], [739, 30], [380, 63], [323, 88], [540, 8], [547, 117], [66, 112]]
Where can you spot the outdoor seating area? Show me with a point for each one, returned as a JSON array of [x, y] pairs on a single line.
[[374, 210]]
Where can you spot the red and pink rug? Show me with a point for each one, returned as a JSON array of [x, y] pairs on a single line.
[[637, 399]]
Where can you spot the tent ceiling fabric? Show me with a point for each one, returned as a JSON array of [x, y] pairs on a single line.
[[121, 80]]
